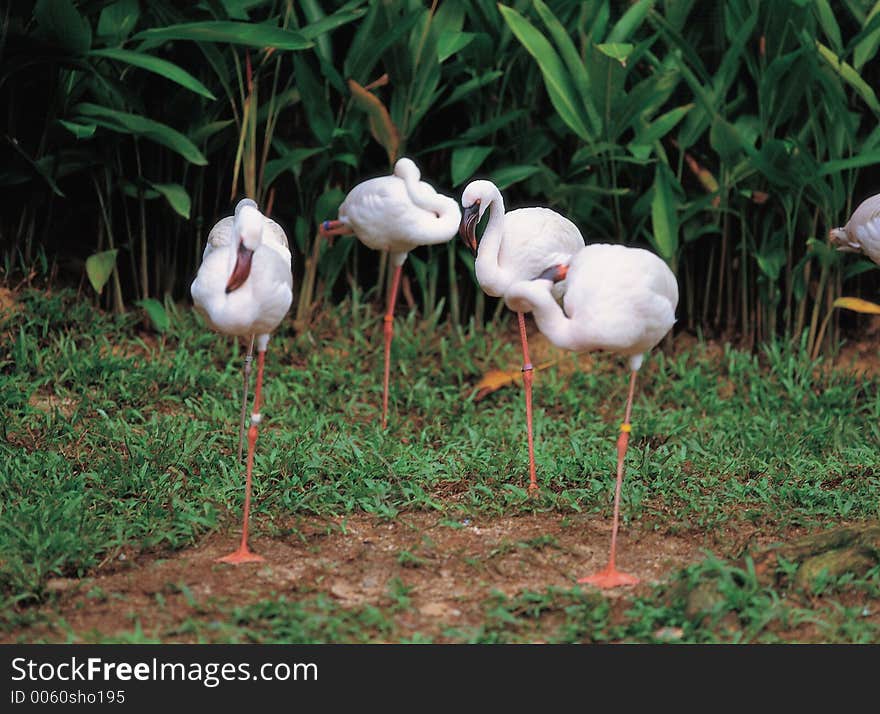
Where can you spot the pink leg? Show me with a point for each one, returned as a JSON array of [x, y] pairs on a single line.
[[389, 332], [610, 576], [243, 554], [528, 378]]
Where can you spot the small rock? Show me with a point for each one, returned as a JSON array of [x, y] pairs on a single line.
[[438, 609], [57, 585], [669, 634]]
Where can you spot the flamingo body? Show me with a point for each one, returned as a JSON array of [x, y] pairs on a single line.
[[244, 288], [617, 299], [262, 301], [395, 213], [862, 231], [399, 212]]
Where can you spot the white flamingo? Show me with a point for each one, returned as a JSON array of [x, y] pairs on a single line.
[[617, 299], [861, 234], [515, 246], [395, 213], [244, 288]]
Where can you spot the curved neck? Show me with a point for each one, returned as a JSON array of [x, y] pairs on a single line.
[[448, 215], [490, 275], [536, 296]]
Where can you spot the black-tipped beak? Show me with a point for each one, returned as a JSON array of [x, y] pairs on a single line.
[[242, 268], [554, 273], [468, 227]]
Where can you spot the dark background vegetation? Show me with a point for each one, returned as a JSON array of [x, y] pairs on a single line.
[[727, 136]]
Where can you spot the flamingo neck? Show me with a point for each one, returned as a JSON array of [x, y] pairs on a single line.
[[491, 276], [446, 210]]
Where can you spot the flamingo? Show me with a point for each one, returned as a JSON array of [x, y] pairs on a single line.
[[244, 288], [519, 245], [861, 234], [617, 299], [395, 213]]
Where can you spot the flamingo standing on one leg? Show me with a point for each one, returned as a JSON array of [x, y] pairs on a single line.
[[519, 245], [243, 288], [618, 299], [395, 213]]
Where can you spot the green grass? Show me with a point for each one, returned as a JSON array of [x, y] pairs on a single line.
[[115, 440]]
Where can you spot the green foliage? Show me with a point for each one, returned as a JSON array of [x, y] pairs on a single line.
[[117, 442], [729, 137]]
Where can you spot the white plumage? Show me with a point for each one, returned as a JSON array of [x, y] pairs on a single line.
[[395, 213], [862, 231], [261, 302], [517, 245], [244, 288], [618, 299], [399, 212]]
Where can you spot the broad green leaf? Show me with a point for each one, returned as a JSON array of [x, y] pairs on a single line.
[[62, 22], [850, 76], [156, 312], [828, 23], [327, 205], [576, 68], [448, 43], [857, 305], [726, 141], [560, 86], [619, 51], [858, 267], [509, 175], [381, 127], [80, 131], [662, 125], [229, 33], [632, 19], [99, 268], [347, 13], [868, 158], [466, 160], [156, 65], [465, 88], [126, 123], [290, 161], [867, 47], [118, 19], [176, 196], [206, 131], [664, 215], [319, 115]]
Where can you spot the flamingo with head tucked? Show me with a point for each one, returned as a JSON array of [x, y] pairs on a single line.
[[515, 246], [617, 299], [244, 288], [395, 213]]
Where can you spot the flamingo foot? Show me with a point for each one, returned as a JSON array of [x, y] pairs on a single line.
[[609, 577], [534, 491], [242, 555]]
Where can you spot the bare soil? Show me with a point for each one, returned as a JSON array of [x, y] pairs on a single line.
[[450, 571]]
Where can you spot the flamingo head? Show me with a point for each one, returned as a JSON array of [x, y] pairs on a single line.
[[840, 238], [474, 201], [248, 227]]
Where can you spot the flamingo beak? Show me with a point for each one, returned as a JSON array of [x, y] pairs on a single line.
[[555, 273], [840, 240], [242, 268], [468, 227]]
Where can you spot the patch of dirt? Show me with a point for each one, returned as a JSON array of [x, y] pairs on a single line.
[[49, 402], [450, 571]]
